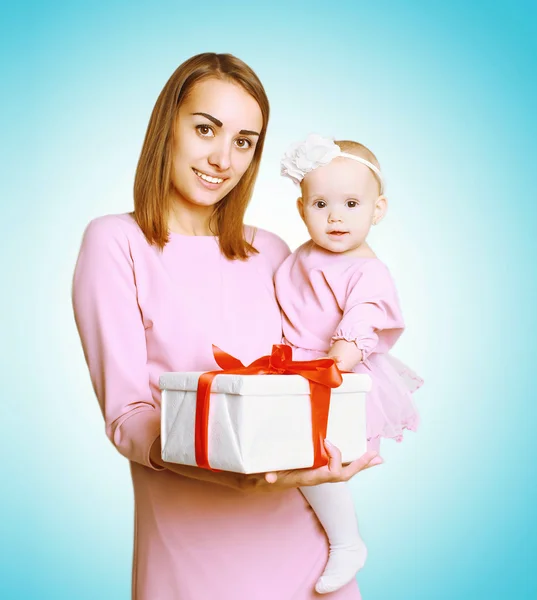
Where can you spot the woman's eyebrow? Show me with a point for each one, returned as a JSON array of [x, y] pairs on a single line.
[[219, 123], [210, 117], [248, 132]]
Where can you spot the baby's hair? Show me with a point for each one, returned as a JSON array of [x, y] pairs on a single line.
[[362, 151]]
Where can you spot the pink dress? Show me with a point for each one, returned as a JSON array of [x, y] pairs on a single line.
[[141, 312], [327, 297]]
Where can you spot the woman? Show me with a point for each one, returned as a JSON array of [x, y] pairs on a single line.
[[152, 291]]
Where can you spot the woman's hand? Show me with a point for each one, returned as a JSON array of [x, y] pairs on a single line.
[[333, 472]]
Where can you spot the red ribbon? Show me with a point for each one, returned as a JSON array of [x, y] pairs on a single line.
[[322, 375]]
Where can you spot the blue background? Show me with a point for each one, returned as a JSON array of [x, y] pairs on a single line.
[[445, 94]]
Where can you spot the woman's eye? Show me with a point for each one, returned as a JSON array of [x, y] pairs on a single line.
[[319, 204], [205, 130], [243, 143], [352, 203]]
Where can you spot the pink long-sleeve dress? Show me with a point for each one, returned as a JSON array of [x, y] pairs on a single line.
[[141, 312], [326, 297]]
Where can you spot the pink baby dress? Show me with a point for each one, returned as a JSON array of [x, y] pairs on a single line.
[[326, 297]]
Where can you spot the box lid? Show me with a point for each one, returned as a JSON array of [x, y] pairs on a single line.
[[258, 385]]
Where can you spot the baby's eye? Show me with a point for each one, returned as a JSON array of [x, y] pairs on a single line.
[[205, 130], [243, 143], [352, 203], [319, 204]]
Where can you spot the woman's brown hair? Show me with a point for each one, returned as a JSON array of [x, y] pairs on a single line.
[[153, 174]]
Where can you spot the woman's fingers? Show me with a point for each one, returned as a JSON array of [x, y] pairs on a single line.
[[333, 472], [286, 479], [368, 460], [271, 477], [334, 459], [376, 461], [339, 472]]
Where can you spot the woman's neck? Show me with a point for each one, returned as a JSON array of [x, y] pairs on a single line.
[[190, 220]]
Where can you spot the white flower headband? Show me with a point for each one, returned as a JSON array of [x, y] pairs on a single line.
[[317, 151]]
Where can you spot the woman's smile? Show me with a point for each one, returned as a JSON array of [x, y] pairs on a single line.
[[213, 181]]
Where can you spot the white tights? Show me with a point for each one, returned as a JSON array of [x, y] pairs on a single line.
[[332, 503]]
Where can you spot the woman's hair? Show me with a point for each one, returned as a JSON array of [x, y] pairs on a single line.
[[153, 175]]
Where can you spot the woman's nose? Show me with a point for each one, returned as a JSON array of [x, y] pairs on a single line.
[[220, 156]]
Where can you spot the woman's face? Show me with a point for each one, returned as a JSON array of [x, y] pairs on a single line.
[[216, 131]]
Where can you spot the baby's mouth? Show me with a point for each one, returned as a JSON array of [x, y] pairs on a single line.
[[337, 232]]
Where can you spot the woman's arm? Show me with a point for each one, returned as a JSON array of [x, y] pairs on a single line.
[[112, 333], [226, 478]]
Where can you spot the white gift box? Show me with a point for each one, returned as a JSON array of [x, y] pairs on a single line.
[[260, 423]]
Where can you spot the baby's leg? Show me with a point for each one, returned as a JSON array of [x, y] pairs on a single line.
[[332, 503]]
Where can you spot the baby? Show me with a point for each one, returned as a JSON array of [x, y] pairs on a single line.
[[338, 299]]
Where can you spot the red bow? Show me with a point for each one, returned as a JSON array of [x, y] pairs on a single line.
[[322, 375]]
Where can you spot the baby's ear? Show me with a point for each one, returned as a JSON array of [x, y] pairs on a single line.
[[381, 206], [300, 207]]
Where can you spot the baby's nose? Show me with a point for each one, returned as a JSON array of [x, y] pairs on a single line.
[[334, 218]]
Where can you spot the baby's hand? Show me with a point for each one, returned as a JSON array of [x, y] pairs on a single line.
[[345, 354]]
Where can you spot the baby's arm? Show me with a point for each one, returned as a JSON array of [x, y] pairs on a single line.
[[346, 354], [371, 308]]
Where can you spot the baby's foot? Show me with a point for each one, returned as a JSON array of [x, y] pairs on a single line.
[[343, 564]]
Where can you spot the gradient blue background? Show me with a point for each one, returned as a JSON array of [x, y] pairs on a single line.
[[446, 95]]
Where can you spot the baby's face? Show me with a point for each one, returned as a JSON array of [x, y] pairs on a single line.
[[338, 205]]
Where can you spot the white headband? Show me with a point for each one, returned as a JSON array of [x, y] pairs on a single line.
[[317, 151]]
